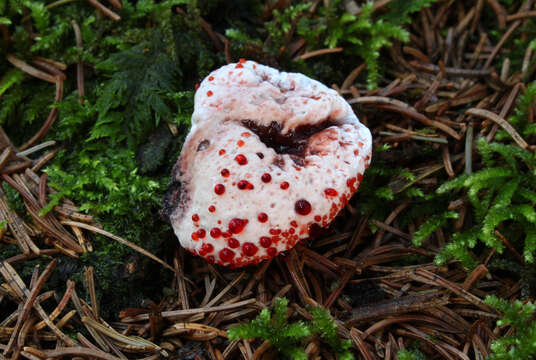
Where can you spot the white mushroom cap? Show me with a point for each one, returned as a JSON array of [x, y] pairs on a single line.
[[269, 154]]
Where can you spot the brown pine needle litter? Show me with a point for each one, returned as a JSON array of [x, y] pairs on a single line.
[[380, 305]]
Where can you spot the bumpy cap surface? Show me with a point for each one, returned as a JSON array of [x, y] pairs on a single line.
[[269, 155]]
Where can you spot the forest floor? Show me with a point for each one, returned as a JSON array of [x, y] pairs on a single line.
[[433, 258]]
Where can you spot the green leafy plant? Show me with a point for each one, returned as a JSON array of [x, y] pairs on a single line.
[[287, 337], [522, 344], [502, 192], [413, 354]]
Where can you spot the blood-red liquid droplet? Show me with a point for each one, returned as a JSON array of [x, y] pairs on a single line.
[[239, 66], [284, 185], [201, 233], [219, 189], [233, 243], [241, 159], [265, 241], [226, 234], [266, 178], [318, 218], [210, 78], [209, 93], [331, 192], [272, 251], [359, 177], [275, 231], [240, 143], [221, 152], [211, 208], [249, 249], [294, 223], [215, 233], [291, 231], [195, 237], [242, 60], [237, 225], [208, 248], [262, 217], [302, 207], [210, 259], [245, 185], [226, 255], [195, 218], [225, 173]]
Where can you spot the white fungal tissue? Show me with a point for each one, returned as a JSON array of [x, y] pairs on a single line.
[[270, 156]]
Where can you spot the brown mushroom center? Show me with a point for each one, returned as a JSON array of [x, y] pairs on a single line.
[[293, 143]]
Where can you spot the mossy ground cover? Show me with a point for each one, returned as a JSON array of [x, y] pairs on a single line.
[[437, 245]]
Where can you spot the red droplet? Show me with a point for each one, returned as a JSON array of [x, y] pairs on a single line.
[[359, 177], [240, 143], [195, 237], [249, 249], [195, 218], [246, 134], [318, 218], [294, 223], [211, 208], [266, 178], [219, 189], [265, 241], [241, 159], [242, 60], [237, 225], [291, 231], [221, 152], [302, 207], [356, 152], [275, 231], [331, 192], [262, 218], [210, 78], [209, 93], [225, 173], [208, 248], [210, 259], [239, 66], [272, 251], [201, 233], [245, 185], [215, 233], [233, 243], [284, 185], [226, 255]]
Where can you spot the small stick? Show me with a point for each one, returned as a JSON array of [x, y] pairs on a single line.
[[311, 54], [50, 68], [36, 148], [112, 15], [118, 239], [30, 69], [80, 64], [501, 122], [521, 15], [469, 150]]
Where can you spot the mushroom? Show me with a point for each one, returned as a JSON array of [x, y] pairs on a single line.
[[270, 155]]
